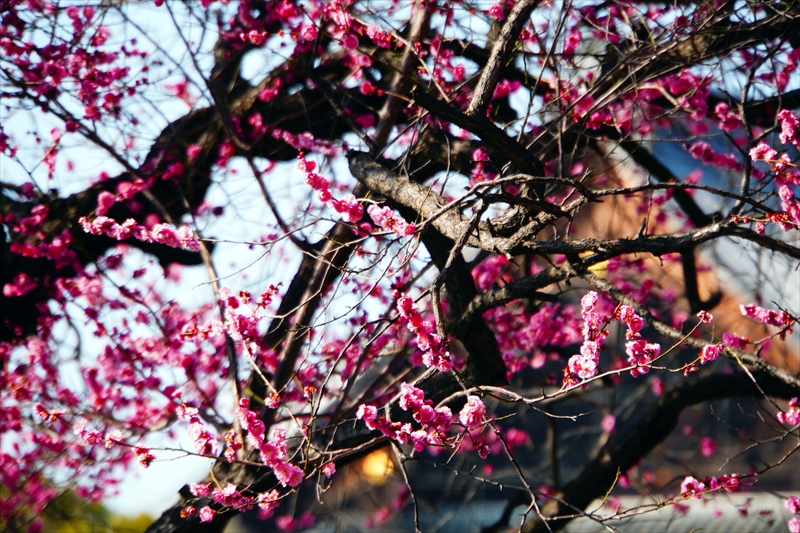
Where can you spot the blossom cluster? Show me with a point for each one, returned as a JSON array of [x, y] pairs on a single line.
[[37, 244], [770, 317], [74, 62], [230, 496], [183, 237], [704, 152], [787, 175], [348, 206], [21, 285], [527, 338], [434, 422], [124, 384], [205, 443], [126, 190], [273, 451], [433, 346], [792, 505], [585, 364], [387, 219], [691, 487], [347, 29], [640, 352], [710, 352], [790, 417]]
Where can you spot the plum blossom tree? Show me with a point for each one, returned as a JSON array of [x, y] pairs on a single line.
[[301, 232]]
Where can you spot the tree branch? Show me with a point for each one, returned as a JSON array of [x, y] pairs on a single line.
[[488, 81], [626, 448]]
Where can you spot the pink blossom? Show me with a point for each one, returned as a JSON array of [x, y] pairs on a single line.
[[792, 504], [496, 11], [104, 202], [144, 456], [505, 87], [790, 417], [317, 182], [572, 41], [388, 220], [308, 32], [732, 340], [705, 317], [256, 121], [268, 94], [763, 152], [582, 106], [585, 367], [591, 349], [381, 38], [731, 483], [480, 154], [628, 315], [641, 353], [789, 128], [164, 234], [161, 233], [350, 41], [250, 423], [728, 120], [368, 89], [710, 352], [267, 501], [438, 359], [329, 469], [707, 446], [473, 412], [206, 514], [257, 38], [92, 437], [411, 397], [367, 413], [41, 412], [349, 207], [288, 474], [285, 523], [608, 423], [205, 442], [192, 151], [793, 525], [226, 151], [657, 386], [272, 452], [703, 151], [766, 316], [592, 319], [200, 490], [20, 286], [228, 496], [692, 487], [434, 348]]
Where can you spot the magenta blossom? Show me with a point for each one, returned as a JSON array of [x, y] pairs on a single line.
[[473, 412]]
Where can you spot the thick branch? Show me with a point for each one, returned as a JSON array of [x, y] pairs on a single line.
[[488, 81], [485, 364], [485, 129], [453, 224], [526, 287]]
